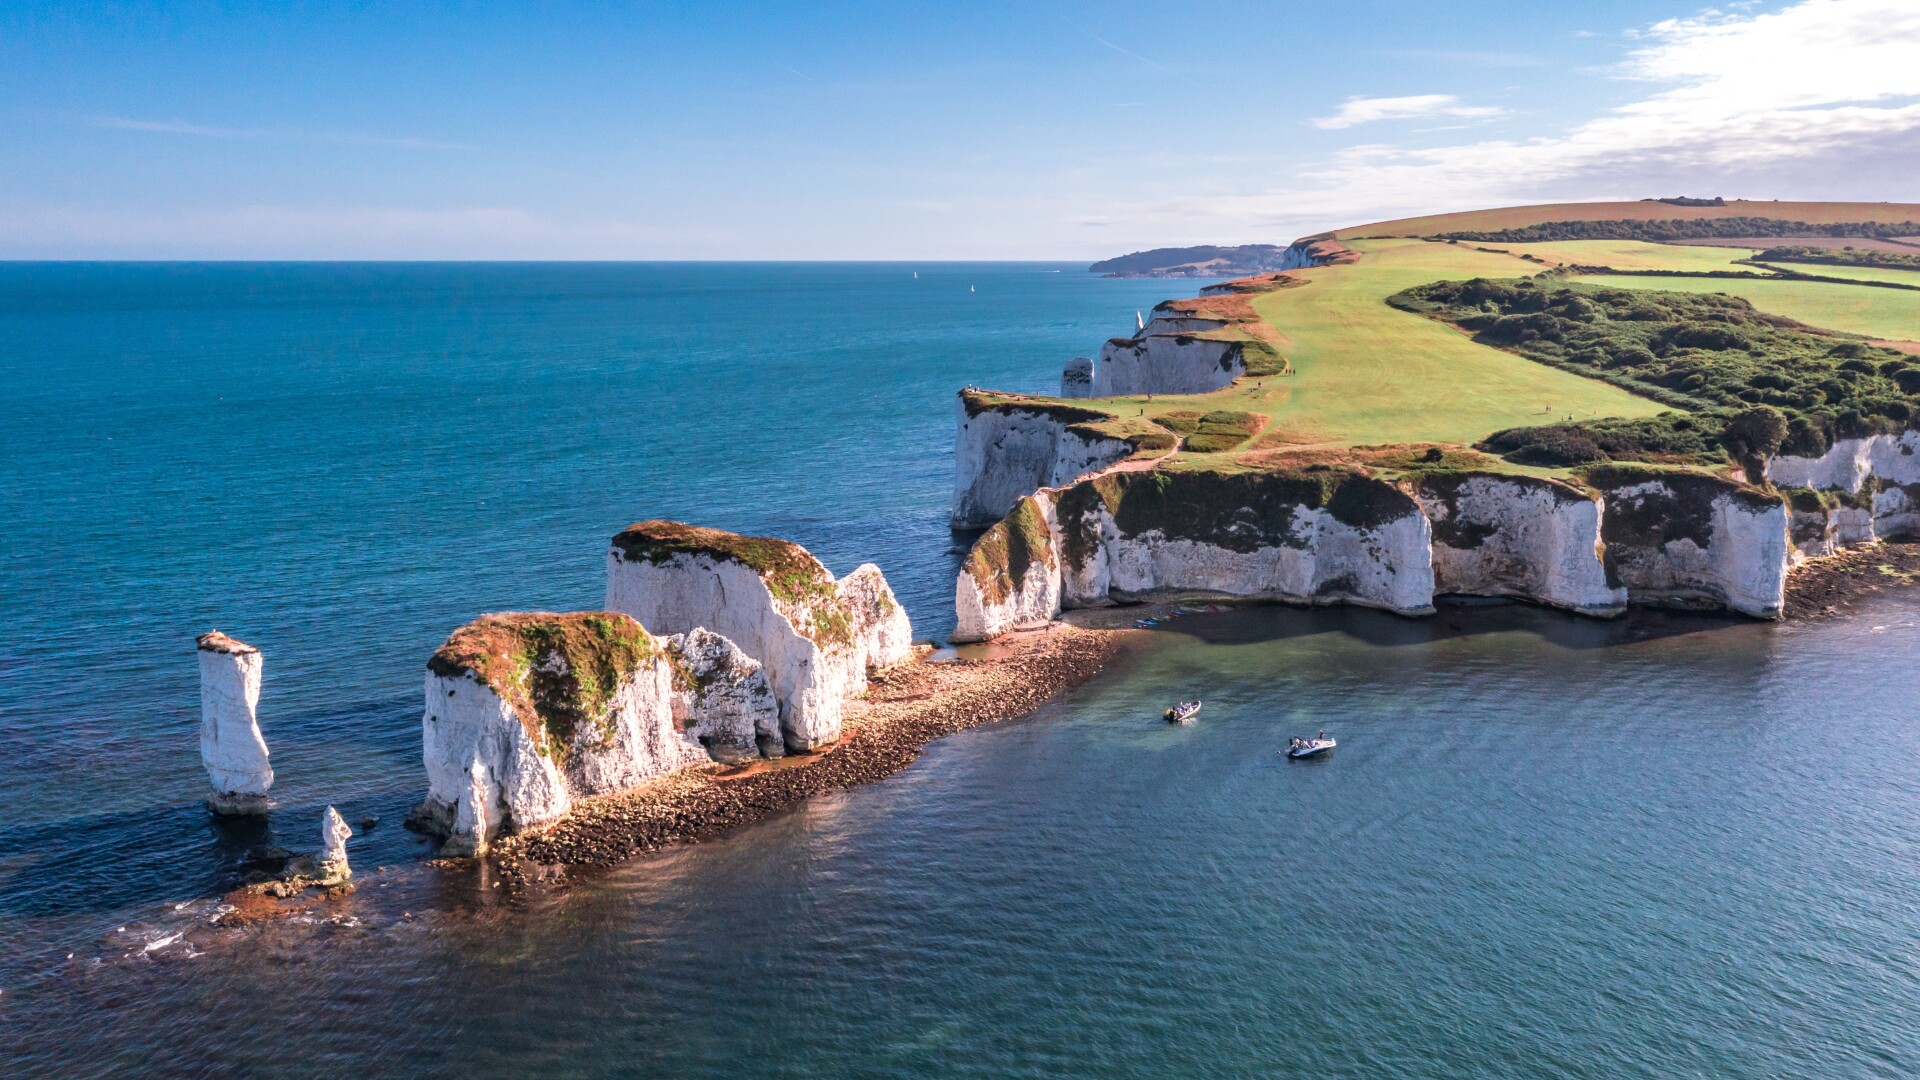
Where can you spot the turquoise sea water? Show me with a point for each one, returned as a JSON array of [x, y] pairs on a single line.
[[1666, 846]]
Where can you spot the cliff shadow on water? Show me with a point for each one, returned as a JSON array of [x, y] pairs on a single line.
[[1455, 618]]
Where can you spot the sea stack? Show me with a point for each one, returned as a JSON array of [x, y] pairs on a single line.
[[814, 637], [528, 712], [330, 864], [231, 747]]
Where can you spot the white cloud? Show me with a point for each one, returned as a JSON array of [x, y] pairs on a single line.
[[1366, 110], [1823, 96]]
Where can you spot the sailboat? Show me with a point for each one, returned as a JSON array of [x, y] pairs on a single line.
[[1139, 321], [916, 275], [969, 288]]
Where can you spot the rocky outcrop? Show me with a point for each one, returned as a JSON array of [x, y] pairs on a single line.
[[1305, 537], [722, 699], [1896, 512], [1168, 355], [1850, 463], [231, 747], [1688, 540], [526, 713], [1518, 536], [330, 862], [815, 638], [1076, 379], [1003, 451], [1011, 578]]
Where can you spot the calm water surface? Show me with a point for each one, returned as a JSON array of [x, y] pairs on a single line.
[[1666, 846]]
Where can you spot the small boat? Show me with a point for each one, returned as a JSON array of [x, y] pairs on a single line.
[[1183, 713], [1305, 748]]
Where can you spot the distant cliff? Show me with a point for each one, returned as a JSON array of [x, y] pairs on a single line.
[[1202, 261]]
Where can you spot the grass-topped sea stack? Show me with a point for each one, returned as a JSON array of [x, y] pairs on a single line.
[[814, 636], [527, 712]]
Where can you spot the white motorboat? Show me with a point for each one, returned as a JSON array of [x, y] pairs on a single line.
[[1305, 748], [1183, 713]]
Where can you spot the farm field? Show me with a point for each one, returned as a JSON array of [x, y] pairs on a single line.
[[1516, 217], [1632, 255], [1857, 273], [1880, 313], [1366, 373]]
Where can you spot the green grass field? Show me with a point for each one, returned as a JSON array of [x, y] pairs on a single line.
[[1856, 273], [1881, 313], [1632, 255], [1369, 374], [1516, 217]]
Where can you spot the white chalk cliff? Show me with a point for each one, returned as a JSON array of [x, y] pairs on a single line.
[[1318, 537], [1687, 540], [526, 713], [722, 698], [815, 638], [1004, 451], [1011, 578], [1846, 465], [1164, 357], [1518, 536], [231, 746]]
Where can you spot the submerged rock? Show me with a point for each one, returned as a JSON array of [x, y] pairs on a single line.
[[815, 638], [231, 746], [527, 712], [721, 697]]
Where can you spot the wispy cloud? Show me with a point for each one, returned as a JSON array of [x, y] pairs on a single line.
[[1368, 110], [209, 131], [1154, 64], [1812, 94]]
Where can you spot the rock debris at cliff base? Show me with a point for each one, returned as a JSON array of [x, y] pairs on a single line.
[[906, 707], [1819, 587]]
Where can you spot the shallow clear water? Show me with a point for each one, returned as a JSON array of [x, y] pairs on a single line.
[[1665, 846]]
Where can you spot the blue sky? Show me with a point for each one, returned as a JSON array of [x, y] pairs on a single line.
[[903, 130]]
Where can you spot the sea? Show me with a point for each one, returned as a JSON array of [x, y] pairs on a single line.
[[1670, 845]]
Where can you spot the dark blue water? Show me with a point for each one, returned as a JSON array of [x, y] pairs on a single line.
[[1547, 847]]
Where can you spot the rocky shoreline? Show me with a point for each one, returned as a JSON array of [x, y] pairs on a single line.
[[905, 708], [1818, 588]]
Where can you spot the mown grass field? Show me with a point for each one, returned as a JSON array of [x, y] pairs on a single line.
[[1518, 217], [1881, 313], [1855, 273], [1366, 373], [1632, 255]]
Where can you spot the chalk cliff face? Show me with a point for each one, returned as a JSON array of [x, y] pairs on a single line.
[[1517, 536], [1688, 540], [1324, 535], [722, 699], [1164, 357], [231, 747], [814, 637], [1896, 512], [1308, 537], [1003, 452], [527, 712], [1011, 578], [1893, 459]]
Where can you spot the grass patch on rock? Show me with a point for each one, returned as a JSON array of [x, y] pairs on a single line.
[[559, 672]]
